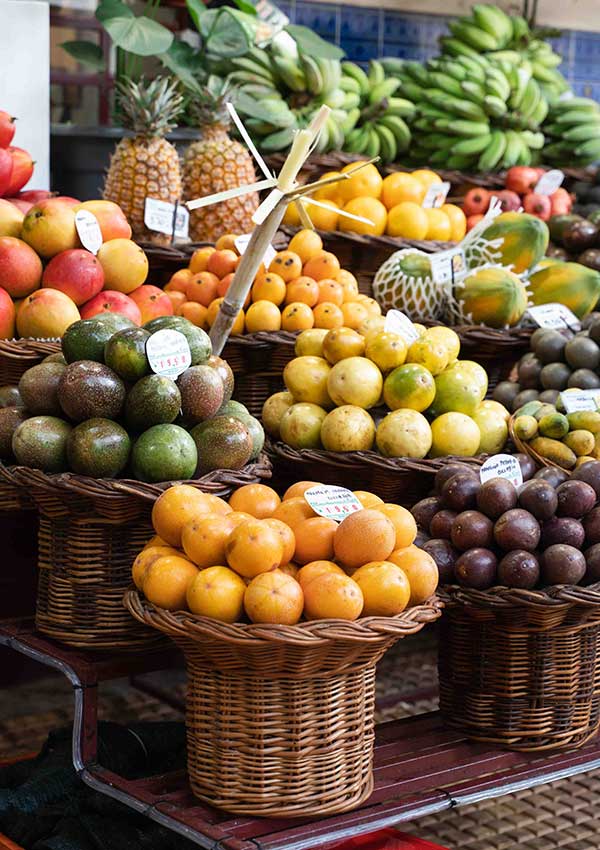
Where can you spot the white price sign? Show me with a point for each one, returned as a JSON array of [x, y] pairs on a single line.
[[448, 265], [332, 502], [241, 243], [163, 217], [436, 195], [88, 230], [580, 400], [549, 182], [397, 323], [168, 353], [501, 466], [554, 316]]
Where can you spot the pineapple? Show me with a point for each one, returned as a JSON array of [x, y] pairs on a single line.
[[215, 163], [147, 165]]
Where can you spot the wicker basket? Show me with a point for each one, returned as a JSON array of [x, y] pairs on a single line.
[[280, 718], [90, 532], [521, 668], [527, 449], [258, 361], [18, 355]]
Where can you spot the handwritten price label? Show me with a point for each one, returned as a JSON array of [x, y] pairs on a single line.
[[549, 182], [241, 243], [580, 400], [436, 195], [158, 216], [332, 502], [88, 231], [554, 316], [168, 353], [501, 466]]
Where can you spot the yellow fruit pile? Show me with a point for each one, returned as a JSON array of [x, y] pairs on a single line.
[[393, 204], [275, 561]]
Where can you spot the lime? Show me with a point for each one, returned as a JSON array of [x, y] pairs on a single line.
[[456, 389], [410, 385], [454, 434], [404, 433], [429, 353]]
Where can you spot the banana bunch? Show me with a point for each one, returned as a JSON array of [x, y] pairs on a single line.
[[377, 121], [573, 130]]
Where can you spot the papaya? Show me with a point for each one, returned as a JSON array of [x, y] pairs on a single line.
[[553, 425], [415, 265], [493, 296], [571, 284], [525, 239], [526, 427], [588, 420], [581, 442], [555, 451]]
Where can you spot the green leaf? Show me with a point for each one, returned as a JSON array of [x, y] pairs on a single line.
[[225, 34], [195, 9], [185, 62], [85, 52], [141, 36], [113, 9], [246, 6], [312, 44]]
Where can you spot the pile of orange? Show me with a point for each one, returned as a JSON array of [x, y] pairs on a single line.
[[304, 287], [272, 560], [393, 205]]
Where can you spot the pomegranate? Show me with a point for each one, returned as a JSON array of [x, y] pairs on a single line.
[[538, 205], [521, 179], [509, 201], [476, 201], [561, 202]]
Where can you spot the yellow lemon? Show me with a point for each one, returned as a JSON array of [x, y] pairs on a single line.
[[400, 187], [365, 182], [438, 225], [408, 220], [369, 208]]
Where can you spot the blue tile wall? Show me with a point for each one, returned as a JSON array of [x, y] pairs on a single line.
[[365, 33]]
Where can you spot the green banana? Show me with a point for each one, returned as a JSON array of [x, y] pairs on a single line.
[[473, 91], [315, 82], [384, 89], [387, 142], [278, 141], [470, 34], [535, 141], [465, 109], [456, 47], [494, 106], [261, 57], [492, 156], [469, 147], [512, 153], [400, 106], [334, 99], [376, 74], [584, 132], [460, 161], [463, 127], [416, 71], [474, 67], [591, 148], [350, 85], [392, 65], [531, 99], [455, 70], [350, 121], [291, 73], [373, 144], [446, 83], [243, 63], [351, 69], [570, 103], [520, 27], [497, 78], [351, 100], [399, 128], [412, 91], [575, 116], [494, 21], [538, 116], [356, 140]]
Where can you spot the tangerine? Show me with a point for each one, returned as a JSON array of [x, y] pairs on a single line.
[[269, 287], [439, 227], [199, 259], [263, 316], [330, 192], [179, 280], [224, 284], [367, 499], [368, 208], [303, 289], [363, 182], [290, 569], [385, 588], [314, 539], [458, 221], [287, 538], [325, 216], [370, 305], [323, 265], [274, 597], [217, 592], [195, 313], [166, 582], [218, 505], [146, 557], [222, 262], [299, 489], [408, 219], [306, 243], [291, 216], [354, 313], [297, 317], [364, 536], [399, 188], [403, 522], [426, 177], [155, 541], [176, 297], [236, 517], [287, 265], [328, 315], [348, 283], [227, 240], [175, 508], [259, 500], [332, 596], [313, 569], [254, 547], [293, 511], [203, 539], [213, 310], [330, 290], [421, 571]]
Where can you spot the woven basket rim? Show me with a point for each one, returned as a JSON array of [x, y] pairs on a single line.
[[525, 448], [28, 345], [507, 597], [309, 633]]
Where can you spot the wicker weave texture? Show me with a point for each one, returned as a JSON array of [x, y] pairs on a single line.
[[18, 355]]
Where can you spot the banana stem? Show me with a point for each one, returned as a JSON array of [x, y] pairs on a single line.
[[374, 110]]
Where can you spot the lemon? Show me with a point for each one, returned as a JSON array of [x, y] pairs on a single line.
[[458, 221], [454, 434], [310, 342], [387, 350], [410, 385], [489, 404], [404, 433], [408, 220], [429, 353], [369, 208], [399, 188], [493, 428], [449, 338], [439, 225], [365, 182]]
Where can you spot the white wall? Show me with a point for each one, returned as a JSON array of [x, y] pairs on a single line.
[[25, 79]]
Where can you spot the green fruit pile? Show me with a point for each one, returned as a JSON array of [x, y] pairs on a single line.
[[566, 439], [99, 410], [573, 130]]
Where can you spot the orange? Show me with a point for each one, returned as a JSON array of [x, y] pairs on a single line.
[[236, 517], [306, 243], [222, 262], [330, 192], [332, 596], [366, 535], [290, 569], [421, 571], [224, 284], [368, 500], [263, 316], [408, 220], [385, 588], [399, 188], [146, 557], [200, 259], [179, 281], [203, 288], [227, 241], [175, 508], [297, 317], [195, 313], [328, 315], [254, 547], [217, 592], [458, 221], [287, 265], [256, 499], [299, 489], [324, 217], [287, 538], [303, 289], [370, 305], [291, 216], [404, 523], [439, 227], [274, 597], [342, 342], [314, 540], [218, 505], [238, 325], [155, 541], [293, 511], [354, 314], [426, 177], [166, 582], [364, 182], [203, 539], [176, 297], [331, 291], [269, 287], [369, 208], [348, 283], [316, 568], [322, 265]]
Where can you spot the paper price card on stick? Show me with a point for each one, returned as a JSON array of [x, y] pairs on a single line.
[[332, 502], [580, 400], [501, 466], [436, 195], [397, 323], [88, 230], [554, 316], [168, 353], [241, 243], [158, 216], [448, 265], [549, 182]]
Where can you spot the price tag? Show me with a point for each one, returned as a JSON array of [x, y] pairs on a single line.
[[501, 466], [549, 182], [168, 353], [554, 316], [88, 230], [332, 502], [397, 323], [158, 216], [436, 195], [448, 265], [241, 243], [580, 400]]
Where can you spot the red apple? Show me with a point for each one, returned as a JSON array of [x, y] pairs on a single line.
[[538, 205], [561, 202], [22, 170], [509, 201], [110, 301], [76, 272], [49, 227], [20, 267], [7, 316], [521, 179], [476, 201], [111, 219], [11, 219], [35, 195], [23, 206], [7, 129], [46, 314], [152, 301], [472, 220], [6, 169]]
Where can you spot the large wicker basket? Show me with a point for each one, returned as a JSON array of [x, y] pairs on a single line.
[[527, 448], [258, 361], [18, 355], [90, 532], [280, 718], [521, 668]]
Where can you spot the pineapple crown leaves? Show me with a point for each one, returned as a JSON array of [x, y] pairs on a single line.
[[208, 107], [150, 108]]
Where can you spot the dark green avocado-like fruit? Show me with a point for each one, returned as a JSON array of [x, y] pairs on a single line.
[[164, 453], [98, 448], [38, 388], [88, 390], [41, 442], [125, 353], [153, 400], [199, 340], [85, 339], [222, 443]]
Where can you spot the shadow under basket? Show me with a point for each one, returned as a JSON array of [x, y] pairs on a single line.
[[280, 718], [521, 668]]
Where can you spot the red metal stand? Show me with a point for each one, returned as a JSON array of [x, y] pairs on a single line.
[[421, 767]]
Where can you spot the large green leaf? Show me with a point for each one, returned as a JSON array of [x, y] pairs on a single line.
[[85, 52], [224, 33], [141, 36], [185, 62], [312, 44], [195, 9], [113, 9]]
